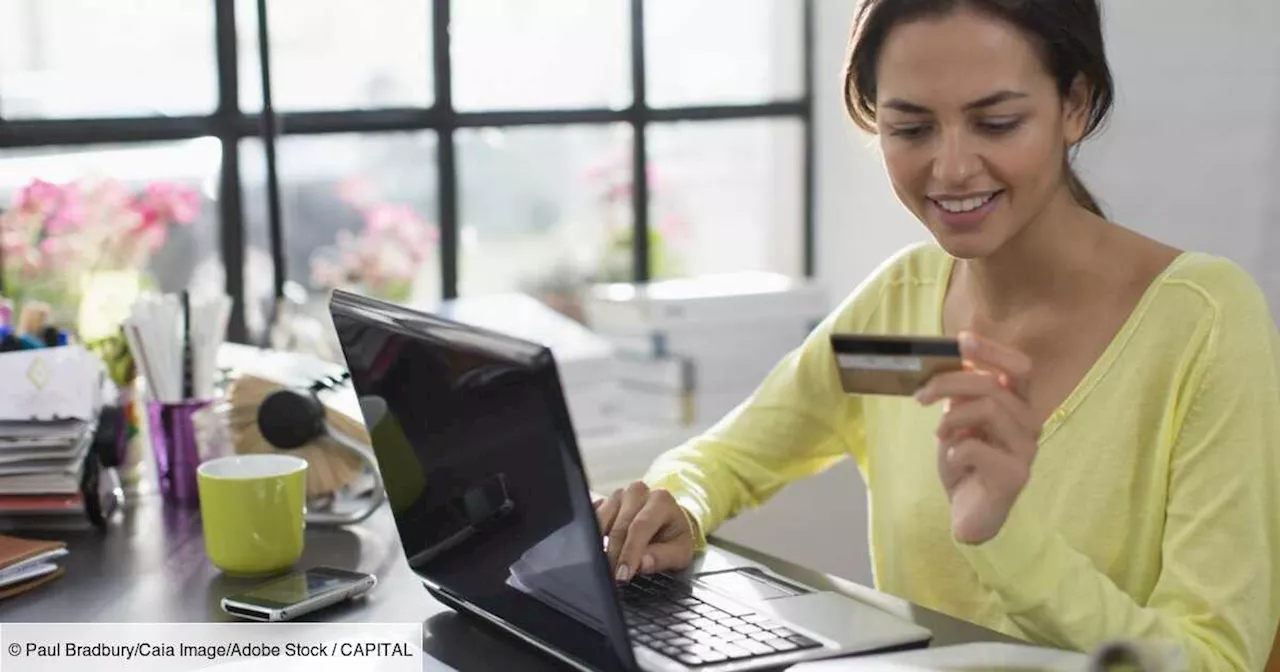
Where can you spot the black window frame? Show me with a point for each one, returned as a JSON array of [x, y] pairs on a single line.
[[230, 125]]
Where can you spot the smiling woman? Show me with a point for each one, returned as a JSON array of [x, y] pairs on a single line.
[[1105, 466], [967, 108]]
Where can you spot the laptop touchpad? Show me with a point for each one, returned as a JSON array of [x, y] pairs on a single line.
[[749, 584]]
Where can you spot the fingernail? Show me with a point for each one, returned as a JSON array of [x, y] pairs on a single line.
[[646, 564], [624, 574], [967, 340], [922, 395]]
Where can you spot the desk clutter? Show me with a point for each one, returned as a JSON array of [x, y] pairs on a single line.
[[57, 455]]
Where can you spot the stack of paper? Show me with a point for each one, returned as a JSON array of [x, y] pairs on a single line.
[[41, 467], [690, 350]]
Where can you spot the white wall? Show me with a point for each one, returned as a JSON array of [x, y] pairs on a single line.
[[1191, 156]]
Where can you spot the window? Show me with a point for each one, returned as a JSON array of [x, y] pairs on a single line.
[[507, 145]]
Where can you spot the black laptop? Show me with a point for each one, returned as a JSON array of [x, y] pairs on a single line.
[[477, 452]]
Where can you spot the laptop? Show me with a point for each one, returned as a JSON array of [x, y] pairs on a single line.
[[484, 478]]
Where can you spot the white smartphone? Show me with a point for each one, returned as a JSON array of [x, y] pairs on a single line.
[[299, 593]]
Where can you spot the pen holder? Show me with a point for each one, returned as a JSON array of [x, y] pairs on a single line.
[[177, 454]]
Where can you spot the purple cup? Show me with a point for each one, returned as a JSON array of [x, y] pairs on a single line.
[[173, 441]]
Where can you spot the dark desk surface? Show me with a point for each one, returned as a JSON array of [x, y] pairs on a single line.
[[150, 566]]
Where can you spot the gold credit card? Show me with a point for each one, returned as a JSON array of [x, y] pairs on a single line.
[[896, 365]]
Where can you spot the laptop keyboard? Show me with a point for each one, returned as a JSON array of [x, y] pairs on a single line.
[[696, 628]]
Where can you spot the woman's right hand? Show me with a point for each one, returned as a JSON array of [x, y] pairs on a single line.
[[647, 531]]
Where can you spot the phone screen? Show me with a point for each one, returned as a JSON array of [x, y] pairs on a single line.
[[296, 587]]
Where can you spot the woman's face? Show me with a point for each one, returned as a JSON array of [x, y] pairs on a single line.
[[972, 128]]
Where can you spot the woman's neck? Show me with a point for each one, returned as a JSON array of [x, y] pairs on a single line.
[[1053, 262]]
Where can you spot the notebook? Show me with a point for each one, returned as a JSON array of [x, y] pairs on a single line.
[[28, 563]]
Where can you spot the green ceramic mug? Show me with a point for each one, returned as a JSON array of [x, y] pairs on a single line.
[[253, 508]]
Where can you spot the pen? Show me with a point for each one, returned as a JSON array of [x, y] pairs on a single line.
[[187, 392]]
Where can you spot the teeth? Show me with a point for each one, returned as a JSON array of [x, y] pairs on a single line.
[[965, 205]]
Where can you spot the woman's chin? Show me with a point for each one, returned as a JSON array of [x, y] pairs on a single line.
[[965, 246]]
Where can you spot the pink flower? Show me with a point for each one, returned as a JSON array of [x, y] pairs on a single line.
[[70, 214], [39, 196], [169, 202]]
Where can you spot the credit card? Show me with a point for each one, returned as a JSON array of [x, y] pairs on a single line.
[[892, 365]]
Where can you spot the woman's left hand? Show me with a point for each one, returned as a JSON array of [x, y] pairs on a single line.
[[988, 437]]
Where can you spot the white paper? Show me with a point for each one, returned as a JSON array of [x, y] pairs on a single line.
[[49, 383]]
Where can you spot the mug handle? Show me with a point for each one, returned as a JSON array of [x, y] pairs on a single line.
[[327, 519]]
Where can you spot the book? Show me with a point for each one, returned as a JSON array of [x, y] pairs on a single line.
[[28, 563]]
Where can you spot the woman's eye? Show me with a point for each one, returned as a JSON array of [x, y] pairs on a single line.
[[1000, 126], [909, 131]]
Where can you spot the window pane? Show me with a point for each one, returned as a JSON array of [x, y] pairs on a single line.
[[727, 196], [185, 256], [544, 210], [723, 51], [338, 54], [364, 204], [522, 54], [89, 58]]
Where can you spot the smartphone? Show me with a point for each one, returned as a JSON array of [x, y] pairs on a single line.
[[299, 593], [892, 365]]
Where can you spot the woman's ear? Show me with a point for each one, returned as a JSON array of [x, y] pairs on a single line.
[[1075, 110]]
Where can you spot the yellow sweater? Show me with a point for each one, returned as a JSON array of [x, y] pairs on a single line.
[[1151, 510]]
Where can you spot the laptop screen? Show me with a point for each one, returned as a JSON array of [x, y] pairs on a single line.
[[483, 475]]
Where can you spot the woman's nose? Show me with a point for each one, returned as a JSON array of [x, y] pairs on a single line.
[[955, 161]]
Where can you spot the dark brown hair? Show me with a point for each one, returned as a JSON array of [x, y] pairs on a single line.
[[1067, 32]]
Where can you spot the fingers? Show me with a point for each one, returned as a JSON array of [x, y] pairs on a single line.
[[633, 500], [973, 386], [667, 555], [988, 354], [960, 384], [607, 510], [982, 417], [976, 456], [657, 514]]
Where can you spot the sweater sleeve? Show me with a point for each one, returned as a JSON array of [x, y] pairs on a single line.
[[797, 423], [1215, 598]]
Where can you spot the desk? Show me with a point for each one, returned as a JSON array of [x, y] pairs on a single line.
[[151, 567]]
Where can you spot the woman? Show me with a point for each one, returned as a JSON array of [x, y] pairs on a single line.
[[1105, 467]]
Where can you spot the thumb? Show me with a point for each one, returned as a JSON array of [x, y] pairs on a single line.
[[665, 556]]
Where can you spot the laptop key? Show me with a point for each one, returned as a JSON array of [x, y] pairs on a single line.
[[747, 629], [682, 627], [708, 654], [755, 647], [762, 636], [648, 627], [664, 635], [680, 641], [688, 659], [687, 615], [781, 632], [780, 644], [803, 642], [733, 651], [755, 618], [688, 602]]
